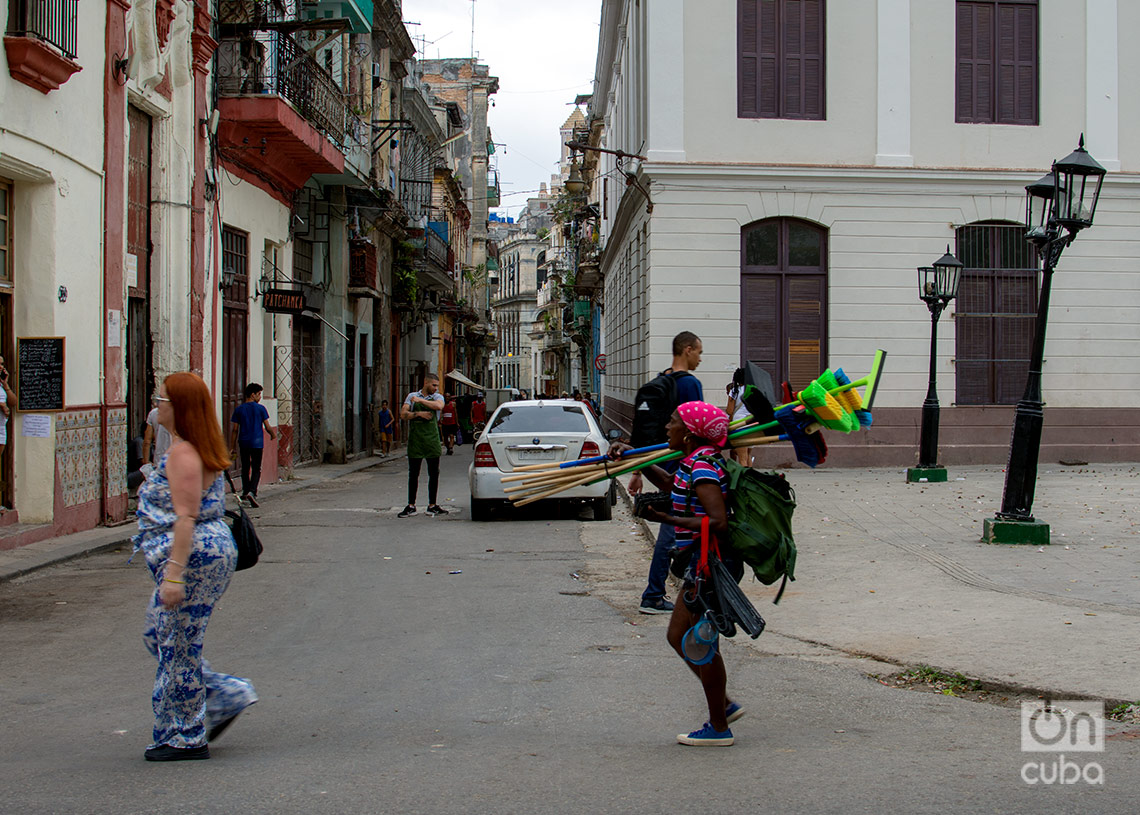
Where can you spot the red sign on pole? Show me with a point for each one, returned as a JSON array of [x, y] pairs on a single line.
[[600, 363]]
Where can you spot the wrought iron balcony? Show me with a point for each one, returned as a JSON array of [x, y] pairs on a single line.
[[52, 21], [437, 250], [271, 62]]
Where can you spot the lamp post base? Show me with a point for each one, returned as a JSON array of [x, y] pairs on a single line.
[[931, 474], [1000, 530]]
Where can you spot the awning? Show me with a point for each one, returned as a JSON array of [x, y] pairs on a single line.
[[462, 380]]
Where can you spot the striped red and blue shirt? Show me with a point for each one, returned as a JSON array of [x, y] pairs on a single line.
[[694, 472]]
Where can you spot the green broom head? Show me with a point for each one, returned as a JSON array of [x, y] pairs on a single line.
[[828, 380], [826, 410]]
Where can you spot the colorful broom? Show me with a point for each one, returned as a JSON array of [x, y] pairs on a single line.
[[831, 401]]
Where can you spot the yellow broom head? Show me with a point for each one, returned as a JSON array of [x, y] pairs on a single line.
[[826, 409], [850, 398]]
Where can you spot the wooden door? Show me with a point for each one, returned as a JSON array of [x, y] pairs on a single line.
[[7, 493], [138, 353], [783, 299], [235, 322], [350, 390]]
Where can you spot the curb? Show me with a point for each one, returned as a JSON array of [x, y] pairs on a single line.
[[54, 551]]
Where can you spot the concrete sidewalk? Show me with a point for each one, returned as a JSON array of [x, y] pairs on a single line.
[[896, 572], [24, 559]]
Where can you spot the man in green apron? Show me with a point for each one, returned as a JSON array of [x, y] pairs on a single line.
[[421, 409]]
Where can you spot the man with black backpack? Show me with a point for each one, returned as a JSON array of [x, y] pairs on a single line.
[[654, 404]]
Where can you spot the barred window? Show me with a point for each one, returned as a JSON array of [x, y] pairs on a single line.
[[996, 313]]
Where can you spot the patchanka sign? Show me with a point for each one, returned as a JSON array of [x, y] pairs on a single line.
[[284, 301]]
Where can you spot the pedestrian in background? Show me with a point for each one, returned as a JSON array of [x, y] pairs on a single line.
[[387, 428], [7, 404], [247, 422], [737, 412], [449, 423], [478, 412], [421, 410], [687, 350], [155, 435], [191, 556]]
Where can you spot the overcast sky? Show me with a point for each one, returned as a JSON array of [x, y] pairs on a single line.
[[543, 53]]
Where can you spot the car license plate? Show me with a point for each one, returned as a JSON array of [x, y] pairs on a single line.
[[535, 455]]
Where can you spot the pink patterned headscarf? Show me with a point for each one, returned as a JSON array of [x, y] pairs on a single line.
[[705, 420]]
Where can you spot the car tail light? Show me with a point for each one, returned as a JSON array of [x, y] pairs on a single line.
[[485, 456], [589, 450]]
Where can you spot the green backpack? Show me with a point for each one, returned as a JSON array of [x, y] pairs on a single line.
[[760, 508]]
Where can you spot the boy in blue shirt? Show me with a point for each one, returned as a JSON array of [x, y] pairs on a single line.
[[387, 428], [245, 434]]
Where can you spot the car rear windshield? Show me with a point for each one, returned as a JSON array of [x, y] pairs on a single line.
[[540, 419]]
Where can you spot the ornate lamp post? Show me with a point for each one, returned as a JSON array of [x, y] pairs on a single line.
[[937, 286], [1058, 206]]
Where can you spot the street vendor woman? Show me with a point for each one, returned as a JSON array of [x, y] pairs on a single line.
[[699, 430]]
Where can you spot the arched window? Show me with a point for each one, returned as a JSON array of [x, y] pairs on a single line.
[[995, 313], [783, 299]]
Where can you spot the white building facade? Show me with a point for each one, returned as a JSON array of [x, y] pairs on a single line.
[[515, 307], [803, 158]]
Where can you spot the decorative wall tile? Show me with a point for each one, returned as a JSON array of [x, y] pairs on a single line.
[[77, 455], [116, 447]]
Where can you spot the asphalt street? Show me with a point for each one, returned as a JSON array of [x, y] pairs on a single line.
[[436, 665]]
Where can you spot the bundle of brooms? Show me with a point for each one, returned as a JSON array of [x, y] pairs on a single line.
[[831, 402]]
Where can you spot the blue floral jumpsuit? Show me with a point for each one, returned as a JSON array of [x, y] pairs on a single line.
[[188, 698]]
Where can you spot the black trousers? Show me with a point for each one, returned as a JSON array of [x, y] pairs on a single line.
[[414, 478], [250, 469]]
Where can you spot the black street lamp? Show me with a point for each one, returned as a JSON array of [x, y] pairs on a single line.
[[1064, 200], [937, 286]]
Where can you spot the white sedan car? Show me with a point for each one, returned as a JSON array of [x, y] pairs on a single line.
[[537, 431]]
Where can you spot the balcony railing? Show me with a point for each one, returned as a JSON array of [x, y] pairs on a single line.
[[53, 21], [270, 62], [437, 250]]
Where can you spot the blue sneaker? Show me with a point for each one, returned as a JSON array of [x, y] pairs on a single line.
[[733, 712], [707, 737]]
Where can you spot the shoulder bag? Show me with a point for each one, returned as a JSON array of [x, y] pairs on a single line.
[[241, 527]]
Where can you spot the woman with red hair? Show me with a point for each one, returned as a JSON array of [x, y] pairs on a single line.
[[191, 554]]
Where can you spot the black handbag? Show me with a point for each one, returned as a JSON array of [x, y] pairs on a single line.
[[249, 547]]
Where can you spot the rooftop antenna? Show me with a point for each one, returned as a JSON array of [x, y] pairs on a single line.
[[472, 31]]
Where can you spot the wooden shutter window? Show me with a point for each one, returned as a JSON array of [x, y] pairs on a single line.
[[996, 62], [748, 59], [1017, 65], [768, 106], [760, 321], [783, 321], [780, 59], [805, 328]]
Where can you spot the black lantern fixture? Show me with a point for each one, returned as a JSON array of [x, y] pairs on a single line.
[[1039, 198], [1078, 178], [1053, 222], [229, 277], [937, 286]]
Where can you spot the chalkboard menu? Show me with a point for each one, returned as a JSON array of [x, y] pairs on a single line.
[[39, 373]]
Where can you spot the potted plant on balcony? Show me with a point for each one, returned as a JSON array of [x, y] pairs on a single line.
[[405, 288]]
